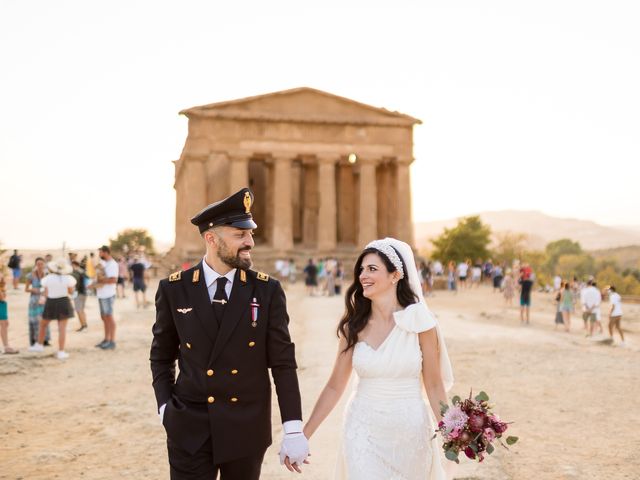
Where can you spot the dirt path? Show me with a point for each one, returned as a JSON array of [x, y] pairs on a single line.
[[93, 416]]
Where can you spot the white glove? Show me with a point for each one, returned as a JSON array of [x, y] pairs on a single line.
[[296, 447], [161, 412]]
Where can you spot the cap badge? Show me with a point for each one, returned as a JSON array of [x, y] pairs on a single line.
[[247, 202]]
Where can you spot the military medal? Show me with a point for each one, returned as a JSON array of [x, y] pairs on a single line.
[[254, 313]]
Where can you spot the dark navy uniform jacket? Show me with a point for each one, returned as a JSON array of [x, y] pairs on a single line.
[[223, 391]]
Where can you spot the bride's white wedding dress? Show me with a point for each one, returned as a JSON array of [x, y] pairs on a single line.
[[388, 426]]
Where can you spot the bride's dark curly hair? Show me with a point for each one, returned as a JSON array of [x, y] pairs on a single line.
[[358, 307]]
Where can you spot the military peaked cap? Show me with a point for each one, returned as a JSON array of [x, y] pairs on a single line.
[[233, 211]]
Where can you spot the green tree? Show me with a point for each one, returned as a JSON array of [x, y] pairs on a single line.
[[132, 239], [470, 238], [603, 263], [509, 246], [556, 249], [609, 276], [578, 265], [537, 259]]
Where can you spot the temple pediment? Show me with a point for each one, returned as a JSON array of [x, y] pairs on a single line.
[[328, 173], [302, 105]]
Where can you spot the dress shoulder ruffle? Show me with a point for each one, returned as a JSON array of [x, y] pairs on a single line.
[[415, 318]]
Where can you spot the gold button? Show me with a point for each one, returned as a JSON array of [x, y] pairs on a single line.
[[211, 399], [233, 372], [234, 399], [251, 344], [210, 373], [188, 345]]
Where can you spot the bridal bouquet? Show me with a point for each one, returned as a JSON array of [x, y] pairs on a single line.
[[469, 426]]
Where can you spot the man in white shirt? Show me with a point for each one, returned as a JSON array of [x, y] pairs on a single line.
[[591, 299], [463, 268], [615, 313], [106, 292]]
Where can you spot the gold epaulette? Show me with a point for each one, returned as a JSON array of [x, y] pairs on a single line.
[[262, 276], [175, 276]]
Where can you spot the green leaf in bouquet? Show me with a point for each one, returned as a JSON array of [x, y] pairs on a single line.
[[451, 455], [511, 440], [455, 400], [474, 447], [443, 408], [490, 449], [482, 397]]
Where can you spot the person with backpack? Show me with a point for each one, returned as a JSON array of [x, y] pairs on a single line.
[[14, 265]]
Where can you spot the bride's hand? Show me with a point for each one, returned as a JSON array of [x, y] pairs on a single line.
[[294, 466]]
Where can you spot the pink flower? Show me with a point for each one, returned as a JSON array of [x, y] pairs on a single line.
[[455, 433], [489, 434], [454, 418]]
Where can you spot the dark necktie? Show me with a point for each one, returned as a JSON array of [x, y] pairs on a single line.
[[220, 298]]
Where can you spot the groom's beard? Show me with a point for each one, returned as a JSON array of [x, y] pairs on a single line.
[[233, 261]]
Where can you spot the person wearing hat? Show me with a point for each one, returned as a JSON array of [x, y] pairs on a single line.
[[227, 326], [58, 285]]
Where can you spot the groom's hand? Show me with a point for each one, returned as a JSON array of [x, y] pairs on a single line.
[[294, 451]]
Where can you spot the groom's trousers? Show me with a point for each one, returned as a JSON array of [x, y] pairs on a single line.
[[200, 466]]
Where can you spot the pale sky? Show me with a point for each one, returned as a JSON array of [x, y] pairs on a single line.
[[526, 105]]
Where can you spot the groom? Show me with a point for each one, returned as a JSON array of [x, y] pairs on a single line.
[[227, 326]]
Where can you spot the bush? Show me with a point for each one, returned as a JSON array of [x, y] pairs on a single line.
[[629, 286], [609, 276]]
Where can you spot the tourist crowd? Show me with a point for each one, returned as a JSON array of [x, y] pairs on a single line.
[[570, 296], [58, 290]]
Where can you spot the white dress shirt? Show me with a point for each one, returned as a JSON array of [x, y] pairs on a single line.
[[211, 278]]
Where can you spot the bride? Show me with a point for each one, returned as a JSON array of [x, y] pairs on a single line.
[[392, 340]]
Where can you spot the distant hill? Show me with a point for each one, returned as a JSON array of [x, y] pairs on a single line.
[[541, 230]]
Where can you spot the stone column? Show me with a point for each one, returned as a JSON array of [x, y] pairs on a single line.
[[310, 203], [217, 177], [238, 172], [368, 214], [191, 197], [327, 215], [404, 219], [282, 231]]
